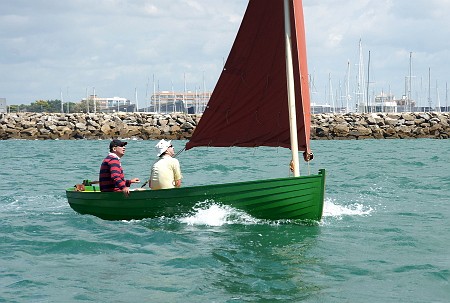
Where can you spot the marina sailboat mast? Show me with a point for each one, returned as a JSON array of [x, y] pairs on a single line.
[[360, 82]]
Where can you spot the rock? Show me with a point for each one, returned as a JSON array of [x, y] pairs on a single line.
[[390, 133], [390, 121], [152, 131], [80, 126], [174, 129], [134, 131], [187, 125], [424, 116], [377, 132], [338, 118], [341, 130], [321, 132], [371, 120], [181, 126], [30, 132], [408, 117], [359, 131]]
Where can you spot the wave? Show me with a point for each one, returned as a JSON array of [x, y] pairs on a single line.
[[213, 214], [333, 209]]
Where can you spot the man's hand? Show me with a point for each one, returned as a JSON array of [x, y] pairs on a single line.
[[126, 191], [135, 180]]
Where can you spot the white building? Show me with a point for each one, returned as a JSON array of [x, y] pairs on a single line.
[[385, 103], [3, 108], [170, 101], [321, 108], [110, 104]]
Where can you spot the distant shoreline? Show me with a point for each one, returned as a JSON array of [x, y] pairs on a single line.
[[351, 126]]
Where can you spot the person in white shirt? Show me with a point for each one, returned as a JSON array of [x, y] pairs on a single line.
[[166, 172]]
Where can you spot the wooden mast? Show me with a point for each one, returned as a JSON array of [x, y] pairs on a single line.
[[291, 90]]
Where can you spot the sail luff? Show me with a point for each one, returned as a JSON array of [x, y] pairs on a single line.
[[303, 86]]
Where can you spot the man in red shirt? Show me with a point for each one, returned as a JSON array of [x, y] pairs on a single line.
[[111, 175]]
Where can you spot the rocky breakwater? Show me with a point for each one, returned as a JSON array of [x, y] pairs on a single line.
[[95, 126], [181, 126], [380, 126]]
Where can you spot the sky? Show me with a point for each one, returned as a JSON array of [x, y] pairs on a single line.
[[51, 48]]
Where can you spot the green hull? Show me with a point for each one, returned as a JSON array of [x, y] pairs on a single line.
[[286, 198]]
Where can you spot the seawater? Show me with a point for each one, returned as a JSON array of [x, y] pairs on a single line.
[[384, 237]]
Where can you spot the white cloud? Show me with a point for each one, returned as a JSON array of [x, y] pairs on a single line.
[[118, 45], [150, 9]]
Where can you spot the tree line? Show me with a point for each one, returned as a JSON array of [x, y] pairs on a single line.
[[54, 106]]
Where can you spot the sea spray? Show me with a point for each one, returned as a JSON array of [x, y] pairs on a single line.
[[334, 209], [215, 214]]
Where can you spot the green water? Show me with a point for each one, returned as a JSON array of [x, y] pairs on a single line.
[[385, 235]]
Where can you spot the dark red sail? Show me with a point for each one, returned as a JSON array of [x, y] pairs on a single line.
[[249, 104]]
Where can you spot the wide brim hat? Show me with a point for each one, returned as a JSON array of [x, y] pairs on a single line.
[[162, 146]]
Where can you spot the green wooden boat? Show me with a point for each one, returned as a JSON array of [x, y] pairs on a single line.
[[287, 198], [261, 99]]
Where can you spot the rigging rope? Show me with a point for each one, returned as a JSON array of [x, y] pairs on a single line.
[[308, 157], [181, 150]]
